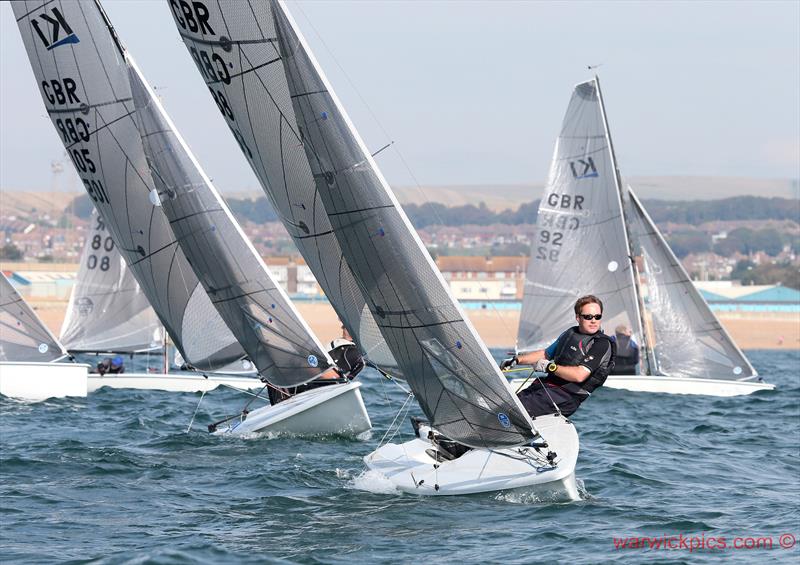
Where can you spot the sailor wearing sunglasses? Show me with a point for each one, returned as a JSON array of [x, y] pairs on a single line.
[[576, 364]]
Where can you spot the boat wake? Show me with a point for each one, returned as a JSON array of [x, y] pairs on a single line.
[[372, 481], [536, 496]]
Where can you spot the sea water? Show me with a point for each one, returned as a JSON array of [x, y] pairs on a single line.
[[116, 478]]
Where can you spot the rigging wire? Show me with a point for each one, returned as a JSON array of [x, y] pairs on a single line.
[[195, 412], [397, 420]]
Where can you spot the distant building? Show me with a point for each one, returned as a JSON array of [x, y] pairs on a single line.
[[472, 280], [294, 276], [727, 296], [42, 280], [708, 266], [484, 278]]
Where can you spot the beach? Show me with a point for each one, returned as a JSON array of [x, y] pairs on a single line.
[[498, 328]]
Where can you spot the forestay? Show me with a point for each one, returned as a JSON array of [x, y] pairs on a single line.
[[23, 336], [252, 304], [80, 67], [580, 246], [107, 309], [689, 340], [234, 47], [452, 374]]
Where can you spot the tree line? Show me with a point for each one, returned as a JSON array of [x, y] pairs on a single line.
[[694, 212]]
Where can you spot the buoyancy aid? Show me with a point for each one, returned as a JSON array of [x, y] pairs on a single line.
[[572, 350], [347, 358]]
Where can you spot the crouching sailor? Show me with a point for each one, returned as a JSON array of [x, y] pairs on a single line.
[[576, 364], [348, 363]]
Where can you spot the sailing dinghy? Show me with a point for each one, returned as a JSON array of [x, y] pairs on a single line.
[[359, 243], [189, 257], [109, 315], [692, 351], [584, 221], [30, 355], [255, 307]]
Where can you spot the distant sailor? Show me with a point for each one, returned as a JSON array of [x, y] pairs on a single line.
[[111, 366], [348, 364], [627, 356], [576, 364]]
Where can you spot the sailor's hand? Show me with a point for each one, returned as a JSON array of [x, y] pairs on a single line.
[[541, 365], [508, 363]]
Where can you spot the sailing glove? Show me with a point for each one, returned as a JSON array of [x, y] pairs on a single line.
[[541, 365], [509, 363]]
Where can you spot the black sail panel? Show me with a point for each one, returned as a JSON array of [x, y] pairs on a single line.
[[255, 308], [234, 47], [454, 378], [346, 221]]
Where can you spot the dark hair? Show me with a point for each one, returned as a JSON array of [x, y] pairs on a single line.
[[588, 299]]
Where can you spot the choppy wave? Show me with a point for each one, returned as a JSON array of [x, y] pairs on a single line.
[[115, 478]]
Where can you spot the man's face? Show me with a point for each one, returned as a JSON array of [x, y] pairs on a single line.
[[589, 326]]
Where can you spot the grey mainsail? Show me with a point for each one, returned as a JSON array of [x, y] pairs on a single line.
[[581, 245], [236, 53], [23, 336], [255, 308], [107, 309], [381, 263], [688, 339], [80, 67]]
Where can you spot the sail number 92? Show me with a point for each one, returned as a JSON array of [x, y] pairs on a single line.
[[549, 238]]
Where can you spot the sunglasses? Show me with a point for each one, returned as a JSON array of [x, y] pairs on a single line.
[[592, 316]]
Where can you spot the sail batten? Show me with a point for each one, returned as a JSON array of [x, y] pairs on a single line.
[[86, 91]]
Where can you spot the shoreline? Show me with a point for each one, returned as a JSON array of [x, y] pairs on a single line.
[[498, 328]]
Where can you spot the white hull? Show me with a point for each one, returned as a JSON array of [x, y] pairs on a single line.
[[674, 385], [39, 381], [680, 385], [328, 410], [411, 469], [171, 382]]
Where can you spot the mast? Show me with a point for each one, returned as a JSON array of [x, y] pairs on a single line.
[[165, 341], [634, 270]]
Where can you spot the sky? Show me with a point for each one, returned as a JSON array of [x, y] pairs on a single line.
[[474, 92]]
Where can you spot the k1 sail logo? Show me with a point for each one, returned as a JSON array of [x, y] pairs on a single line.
[[55, 25], [583, 168]]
